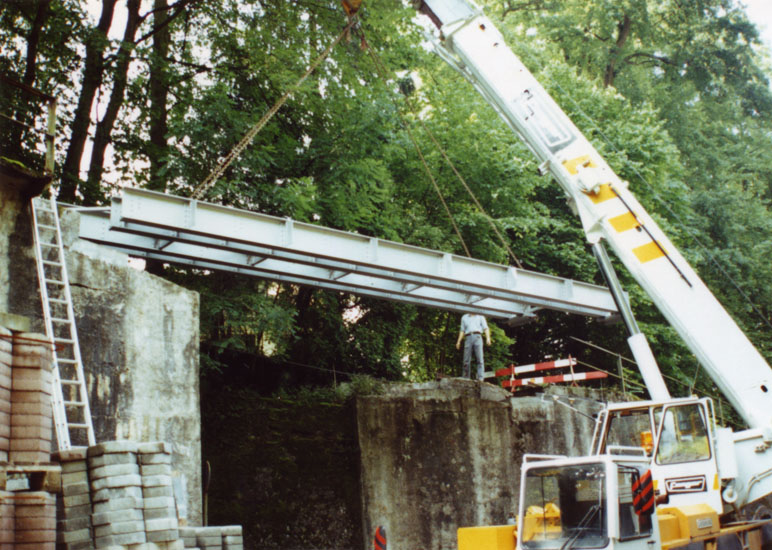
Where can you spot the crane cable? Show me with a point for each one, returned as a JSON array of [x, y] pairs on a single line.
[[250, 135], [380, 69], [382, 73]]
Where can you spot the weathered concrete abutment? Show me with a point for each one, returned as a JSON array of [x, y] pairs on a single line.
[[441, 455]]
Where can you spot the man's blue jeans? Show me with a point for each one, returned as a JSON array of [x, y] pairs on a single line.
[[473, 344]]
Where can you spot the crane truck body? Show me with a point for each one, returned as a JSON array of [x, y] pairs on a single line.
[[699, 470]]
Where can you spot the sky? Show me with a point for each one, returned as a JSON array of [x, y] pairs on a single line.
[[760, 12]]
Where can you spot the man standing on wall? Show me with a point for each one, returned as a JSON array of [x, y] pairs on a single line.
[[472, 328]]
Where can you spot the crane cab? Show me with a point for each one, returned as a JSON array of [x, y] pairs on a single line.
[[678, 436], [595, 502]]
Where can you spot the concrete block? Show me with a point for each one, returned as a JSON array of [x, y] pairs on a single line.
[[156, 458], [75, 524], [125, 539], [30, 445], [231, 530], [105, 518], [40, 407], [30, 362], [109, 447], [77, 512], [78, 466], [35, 523], [153, 492], [160, 513], [69, 478], [33, 432], [153, 447], [119, 528], [130, 480], [29, 457], [162, 536], [5, 394], [23, 420], [158, 502], [118, 504], [80, 488], [5, 380], [37, 535], [157, 481], [20, 396], [77, 500], [155, 469], [79, 545], [79, 535], [114, 470], [5, 425], [161, 524], [71, 455], [118, 492], [32, 380], [111, 459]]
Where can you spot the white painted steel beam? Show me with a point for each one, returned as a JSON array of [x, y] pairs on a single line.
[[208, 236]]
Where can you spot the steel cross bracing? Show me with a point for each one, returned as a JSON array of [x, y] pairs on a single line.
[[208, 236]]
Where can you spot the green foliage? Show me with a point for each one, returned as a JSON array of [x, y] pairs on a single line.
[[673, 94]]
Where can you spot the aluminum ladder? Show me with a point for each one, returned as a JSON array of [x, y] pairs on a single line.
[[72, 415]]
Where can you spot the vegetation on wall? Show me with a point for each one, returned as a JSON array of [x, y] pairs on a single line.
[[153, 93]]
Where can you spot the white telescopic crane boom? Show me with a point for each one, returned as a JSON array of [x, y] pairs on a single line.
[[607, 209]]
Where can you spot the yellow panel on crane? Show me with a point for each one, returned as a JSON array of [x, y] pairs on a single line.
[[495, 537]]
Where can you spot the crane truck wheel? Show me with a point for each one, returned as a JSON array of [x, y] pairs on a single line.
[[762, 510]]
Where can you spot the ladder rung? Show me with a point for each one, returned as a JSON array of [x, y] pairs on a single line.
[[68, 361], [70, 382], [41, 208], [74, 404], [44, 226], [58, 320], [64, 340], [57, 300], [50, 245], [54, 282], [78, 426], [49, 262]]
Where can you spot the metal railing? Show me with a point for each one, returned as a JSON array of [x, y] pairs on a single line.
[[23, 122]]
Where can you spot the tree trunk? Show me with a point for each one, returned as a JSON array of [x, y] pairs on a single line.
[[624, 28], [93, 70], [159, 92], [91, 191], [33, 40]]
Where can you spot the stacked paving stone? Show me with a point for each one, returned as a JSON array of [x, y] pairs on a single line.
[[116, 494], [227, 537], [159, 509], [7, 520], [74, 527], [5, 392], [35, 521], [31, 386]]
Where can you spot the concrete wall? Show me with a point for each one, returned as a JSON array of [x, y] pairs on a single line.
[[138, 336], [443, 455]]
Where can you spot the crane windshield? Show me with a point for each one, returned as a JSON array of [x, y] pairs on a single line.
[[565, 507]]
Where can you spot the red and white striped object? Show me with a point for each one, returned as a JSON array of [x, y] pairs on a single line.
[[513, 370], [553, 379]]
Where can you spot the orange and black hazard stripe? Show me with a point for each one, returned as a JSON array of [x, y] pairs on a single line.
[[643, 494], [379, 540]]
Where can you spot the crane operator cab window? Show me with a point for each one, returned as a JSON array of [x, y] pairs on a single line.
[[684, 435], [631, 429], [565, 508]]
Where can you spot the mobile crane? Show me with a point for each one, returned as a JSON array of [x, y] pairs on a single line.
[[673, 448]]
